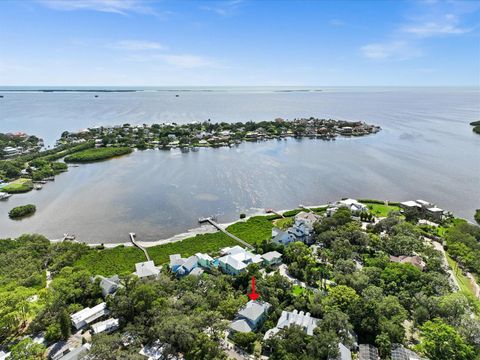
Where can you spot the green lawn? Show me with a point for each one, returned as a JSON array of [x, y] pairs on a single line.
[[18, 186], [254, 230], [381, 210], [284, 223], [464, 282]]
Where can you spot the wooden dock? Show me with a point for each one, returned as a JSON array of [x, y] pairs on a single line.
[[218, 227], [132, 239], [271, 211]]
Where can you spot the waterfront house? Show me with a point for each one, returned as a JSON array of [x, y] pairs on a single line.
[[424, 208], [410, 205], [272, 258], [109, 285], [353, 205], [236, 259], [435, 213], [204, 260], [108, 325], [146, 269], [188, 265], [250, 317], [84, 317], [301, 319], [306, 218], [282, 237], [181, 266]]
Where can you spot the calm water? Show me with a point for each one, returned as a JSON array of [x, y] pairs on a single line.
[[426, 150]]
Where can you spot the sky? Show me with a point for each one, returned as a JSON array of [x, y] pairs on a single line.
[[239, 43]]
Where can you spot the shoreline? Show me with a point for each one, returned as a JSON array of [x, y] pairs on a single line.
[[203, 229]]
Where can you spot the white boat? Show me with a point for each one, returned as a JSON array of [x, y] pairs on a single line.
[[4, 196]]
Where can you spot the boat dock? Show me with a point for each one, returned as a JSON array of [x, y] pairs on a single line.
[[271, 211], [218, 227], [132, 239]]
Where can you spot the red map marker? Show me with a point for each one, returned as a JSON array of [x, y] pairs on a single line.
[[253, 295]]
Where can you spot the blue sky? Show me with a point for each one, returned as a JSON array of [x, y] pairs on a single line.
[[239, 42]]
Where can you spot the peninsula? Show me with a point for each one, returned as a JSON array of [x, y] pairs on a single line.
[[29, 167]]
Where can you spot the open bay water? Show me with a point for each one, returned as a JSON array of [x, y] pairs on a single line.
[[426, 150]]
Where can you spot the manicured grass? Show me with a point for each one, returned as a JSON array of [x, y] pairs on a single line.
[[18, 186], [285, 223], [464, 282], [381, 210], [98, 154], [254, 230]]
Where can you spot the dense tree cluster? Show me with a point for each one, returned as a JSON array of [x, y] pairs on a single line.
[[353, 285]]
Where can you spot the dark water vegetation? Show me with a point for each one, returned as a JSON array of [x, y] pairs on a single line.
[[19, 212], [98, 154], [476, 126]]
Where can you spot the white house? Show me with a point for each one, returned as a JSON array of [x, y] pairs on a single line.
[[301, 319], [109, 285], [236, 259], [107, 325], [250, 317], [353, 205], [282, 237], [77, 353], [272, 258], [84, 317], [146, 269], [157, 351]]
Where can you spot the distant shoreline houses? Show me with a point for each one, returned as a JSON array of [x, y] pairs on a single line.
[[425, 208], [208, 134]]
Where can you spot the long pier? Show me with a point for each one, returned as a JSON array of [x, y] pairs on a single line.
[[132, 239], [271, 211], [218, 227]]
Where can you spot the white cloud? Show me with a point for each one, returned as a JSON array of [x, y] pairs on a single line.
[[446, 25], [110, 6], [137, 45], [184, 61], [395, 50], [336, 22], [224, 8], [187, 61]]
